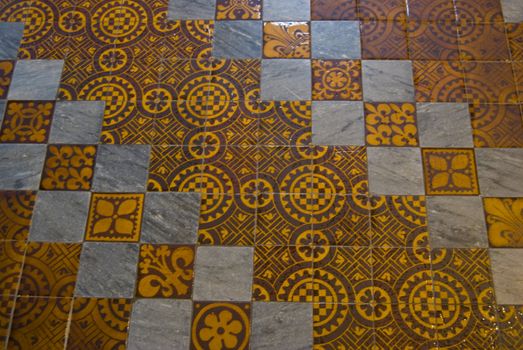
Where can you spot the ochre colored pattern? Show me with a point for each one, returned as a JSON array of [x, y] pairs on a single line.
[[489, 82], [286, 40], [479, 11], [27, 122], [504, 218], [285, 123], [236, 123], [432, 10], [497, 125], [333, 9], [439, 81], [11, 259], [6, 308], [336, 80], [233, 79], [433, 40], [16, 210], [238, 9], [391, 124], [515, 40], [483, 42], [383, 40], [382, 10], [6, 73], [510, 322]]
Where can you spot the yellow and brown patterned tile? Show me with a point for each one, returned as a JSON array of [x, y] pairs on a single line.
[[6, 73], [439, 81], [286, 40], [433, 40], [27, 122], [187, 39], [382, 9], [238, 9], [391, 124], [88, 79], [285, 123], [115, 217], [333, 10], [99, 323], [16, 210], [221, 325], [39, 323], [483, 42], [450, 171], [165, 271], [496, 125], [11, 259], [515, 40], [510, 323], [227, 219], [384, 40], [504, 217], [234, 79], [50, 269], [283, 274], [478, 11], [490, 82], [14, 10], [336, 80], [7, 304], [432, 10], [517, 67], [185, 79]]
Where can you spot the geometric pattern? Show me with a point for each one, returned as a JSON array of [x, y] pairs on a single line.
[[333, 10], [439, 81], [510, 322], [27, 122], [496, 125], [483, 42], [336, 80], [391, 124], [384, 39], [285, 123], [11, 259], [433, 40], [286, 40], [504, 218], [489, 82], [515, 40], [6, 73], [16, 210], [237, 9]]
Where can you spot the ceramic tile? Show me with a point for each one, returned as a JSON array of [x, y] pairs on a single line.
[[6, 75], [510, 322], [336, 80], [286, 40], [439, 81], [383, 39], [479, 11], [432, 10], [433, 40], [238, 10], [237, 39], [504, 222], [338, 123], [496, 125], [515, 40], [335, 39], [11, 259], [483, 42], [291, 10], [232, 123], [16, 210], [489, 82], [390, 124], [233, 80], [27, 122], [444, 125], [285, 123], [385, 81], [517, 67], [7, 304], [382, 10], [333, 10], [497, 171], [286, 80], [188, 39]]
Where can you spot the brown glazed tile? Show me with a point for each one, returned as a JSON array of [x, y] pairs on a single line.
[[518, 76], [382, 9], [285, 123], [504, 222], [515, 40], [286, 40], [510, 323], [495, 125], [234, 9], [479, 11], [483, 42], [334, 10], [11, 259], [6, 73], [187, 39], [391, 124], [7, 304], [439, 81], [234, 79], [27, 122], [336, 80], [433, 40], [432, 10], [384, 39], [16, 210], [489, 82]]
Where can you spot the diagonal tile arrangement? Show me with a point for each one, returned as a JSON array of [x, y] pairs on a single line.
[[233, 174]]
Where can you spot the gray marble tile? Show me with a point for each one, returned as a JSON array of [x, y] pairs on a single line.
[[10, 36], [512, 10], [60, 216], [500, 171], [171, 217], [160, 324], [21, 166], [36, 80], [388, 81], [508, 275], [456, 222], [336, 39], [191, 9], [395, 170], [107, 270], [286, 79], [223, 274], [444, 125], [121, 168], [288, 10], [237, 39], [338, 123], [77, 122], [281, 326], [3, 103]]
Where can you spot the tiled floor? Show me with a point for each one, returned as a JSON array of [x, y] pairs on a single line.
[[233, 174]]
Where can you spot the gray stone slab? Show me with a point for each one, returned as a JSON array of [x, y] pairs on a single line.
[[336, 39], [338, 123], [500, 172], [388, 81], [121, 168], [107, 270], [171, 217], [223, 274], [281, 326], [512, 10], [508, 275], [36, 80], [456, 222], [60, 216], [444, 125], [395, 170], [160, 324], [237, 39], [21, 166], [10, 36], [3, 103], [191, 9], [77, 122], [288, 10], [286, 79]]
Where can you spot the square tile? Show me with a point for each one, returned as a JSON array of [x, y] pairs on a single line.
[[382, 9], [118, 261], [432, 10], [10, 38], [479, 10], [517, 67], [385, 81], [186, 79], [433, 40], [286, 80], [504, 222], [233, 10], [289, 324], [6, 75], [483, 42], [499, 172], [36, 80], [336, 39], [77, 122], [189, 9], [223, 274], [160, 324], [170, 218], [237, 39], [512, 11], [450, 171], [16, 210], [27, 122], [60, 216], [384, 39], [291, 10], [233, 123], [395, 170], [444, 125], [508, 279], [338, 123], [456, 222], [515, 40], [510, 321], [239, 78], [165, 271], [114, 160], [497, 126], [490, 82], [439, 81], [285, 123], [334, 10], [391, 124], [21, 166], [181, 41], [7, 304], [336, 80], [286, 40], [11, 259]]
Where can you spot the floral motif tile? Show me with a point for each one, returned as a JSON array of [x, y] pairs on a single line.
[[490, 82], [333, 10], [115, 217], [27, 122], [504, 219], [483, 42], [336, 80], [433, 40], [384, 39], [16, 210], [286, 40], [285, 123], [439, 81], [238, 9], [496, 125], [391, 124], [11, 259], [6, 73]]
